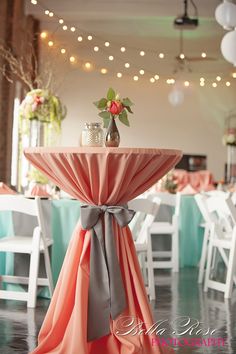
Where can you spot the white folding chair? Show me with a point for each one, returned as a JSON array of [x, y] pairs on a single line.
[[146, 211], [223, 239], [208, 219], [164, 228], [38, 243]]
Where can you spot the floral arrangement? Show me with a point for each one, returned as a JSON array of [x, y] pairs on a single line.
[[168, 183], [229, 138], [42, 105], [112, 106], [36, 176]]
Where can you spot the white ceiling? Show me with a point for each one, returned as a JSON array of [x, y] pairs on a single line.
[[136, 24]]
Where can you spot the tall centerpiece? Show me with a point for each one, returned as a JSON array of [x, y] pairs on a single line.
[[112, 107], [229, 140]]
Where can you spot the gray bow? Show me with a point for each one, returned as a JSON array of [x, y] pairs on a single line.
[[106, 290]]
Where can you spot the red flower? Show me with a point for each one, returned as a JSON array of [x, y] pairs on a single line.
[[116, 107]]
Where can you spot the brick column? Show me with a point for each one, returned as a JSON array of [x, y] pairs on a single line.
[[16, 32]]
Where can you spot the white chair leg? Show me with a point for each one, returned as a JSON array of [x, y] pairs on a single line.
[[175, 251], [209, 258], [151, 278], [203, 255], [48, 270], [231, 268], [33, 272]]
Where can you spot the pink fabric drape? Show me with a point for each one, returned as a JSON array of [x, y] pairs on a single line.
[[39, 191], [4, 189], [99, 176], [199, 180]]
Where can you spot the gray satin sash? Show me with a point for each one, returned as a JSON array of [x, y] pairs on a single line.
[[106, 289]]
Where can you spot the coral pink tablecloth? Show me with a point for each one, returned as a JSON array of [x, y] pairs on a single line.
[[99, 176], [4, 189], [199, 180]]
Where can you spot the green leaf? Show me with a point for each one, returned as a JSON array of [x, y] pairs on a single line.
[[124, 118], [128, 109], [104, 115], [126, 102], [102, 103], [111, 94], [106, 122], [96, 103]]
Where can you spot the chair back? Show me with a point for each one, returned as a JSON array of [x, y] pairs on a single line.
[[201, 200], [21, 204], [146, 211], [168, 199], [225, 212]]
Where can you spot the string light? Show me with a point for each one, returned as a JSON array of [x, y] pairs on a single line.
[[43, 34], [122, 49], [88, 66], [103, 71], [72, 59]]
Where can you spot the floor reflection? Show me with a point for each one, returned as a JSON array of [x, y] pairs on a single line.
[[177, 295], [180, 295]]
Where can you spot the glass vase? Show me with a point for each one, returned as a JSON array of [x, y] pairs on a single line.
[[231, 164], [112, 135], [92, 135]]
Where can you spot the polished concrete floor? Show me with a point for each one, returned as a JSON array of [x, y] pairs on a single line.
[[180, 304]]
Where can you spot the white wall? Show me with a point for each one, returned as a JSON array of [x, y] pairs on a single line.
[[195, 127]]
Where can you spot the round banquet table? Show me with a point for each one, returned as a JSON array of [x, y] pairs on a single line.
[[100, 177]]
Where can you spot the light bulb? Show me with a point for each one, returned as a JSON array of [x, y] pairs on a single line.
[[122, 49], [135, 78], [96, 48], [51, 14], [218, 78], [111, 57], [61, 21], [214, 84], [43, 34], [104, 71], [127, 65], [119, 75], [72, 59], [141, 72], [186, 83], [203, 55], [63, 51], [106, 44], [64, 27], [80, 38], [152, 80], [142, 53], [161, 55], [90, 37], [72, 29], [156, 77], [182, 56], [50, 43], [227, 83], [46, 12], [234, 75]]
